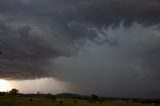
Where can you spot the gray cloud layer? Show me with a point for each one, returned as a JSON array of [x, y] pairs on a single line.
[[131, 70], [33, 33]]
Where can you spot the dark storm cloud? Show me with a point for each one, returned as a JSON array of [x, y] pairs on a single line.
[[34, 32], [131, 70], [25, 52]]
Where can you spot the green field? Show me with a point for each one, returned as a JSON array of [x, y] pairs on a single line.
[[26, 101]]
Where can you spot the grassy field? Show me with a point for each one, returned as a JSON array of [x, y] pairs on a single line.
[[26, 101]]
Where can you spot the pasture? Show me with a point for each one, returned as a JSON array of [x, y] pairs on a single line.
[[28, 101]]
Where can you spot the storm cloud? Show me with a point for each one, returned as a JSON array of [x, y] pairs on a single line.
[[130, 70], [35, 34]]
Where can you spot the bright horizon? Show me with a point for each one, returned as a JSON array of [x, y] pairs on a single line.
[[43, 85], [5, 85]]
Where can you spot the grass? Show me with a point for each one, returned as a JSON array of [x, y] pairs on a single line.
[[26, 101]]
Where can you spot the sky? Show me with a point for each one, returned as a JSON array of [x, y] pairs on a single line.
[[103, 47]]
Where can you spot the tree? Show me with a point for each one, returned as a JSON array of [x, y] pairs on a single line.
[[93, 98], [14, 91], [38, 93]]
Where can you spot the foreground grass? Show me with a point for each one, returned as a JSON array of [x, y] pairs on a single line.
[[26, 101]]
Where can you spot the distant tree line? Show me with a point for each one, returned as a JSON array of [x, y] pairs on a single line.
[[92, 99], [11, 92]]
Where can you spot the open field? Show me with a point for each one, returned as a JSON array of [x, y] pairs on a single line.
[[27, 101]]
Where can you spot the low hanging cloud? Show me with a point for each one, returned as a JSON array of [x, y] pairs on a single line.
[[35, 33], [131, 70]]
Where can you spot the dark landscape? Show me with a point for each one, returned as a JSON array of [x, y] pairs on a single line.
[[13, 98]]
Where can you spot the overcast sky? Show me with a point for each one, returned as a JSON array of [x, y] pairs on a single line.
[[105, 47]]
